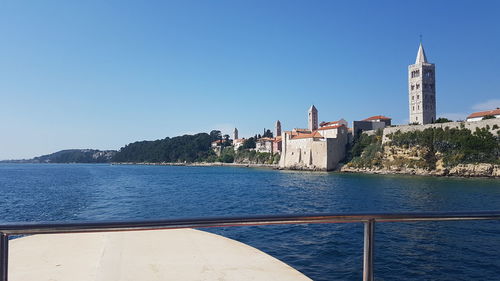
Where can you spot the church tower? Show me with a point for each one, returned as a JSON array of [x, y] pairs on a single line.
[[235, 134], [277, 128], [422, 89], [313, 118]]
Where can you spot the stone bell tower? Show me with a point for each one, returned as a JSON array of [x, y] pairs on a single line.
[[313, 118], [277, 129], [422, 89]]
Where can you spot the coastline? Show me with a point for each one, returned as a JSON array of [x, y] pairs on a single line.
[[201, 164], [481, 170]]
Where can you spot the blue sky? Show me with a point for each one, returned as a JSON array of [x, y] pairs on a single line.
[[100, 74]]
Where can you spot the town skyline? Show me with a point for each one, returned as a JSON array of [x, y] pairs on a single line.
[[95, 80]]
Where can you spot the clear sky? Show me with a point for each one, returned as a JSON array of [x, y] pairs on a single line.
[[100, 74]]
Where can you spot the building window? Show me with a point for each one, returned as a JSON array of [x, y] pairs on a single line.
[[418, 107], [418, 96], [412, 87], [413, 108], [418, 86], [412, 97]]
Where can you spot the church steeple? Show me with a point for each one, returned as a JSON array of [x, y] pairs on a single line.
[[422, 89], [313, 118], [421, 58]]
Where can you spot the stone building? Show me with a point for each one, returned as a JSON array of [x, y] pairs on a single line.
[[264, 145], [422, 89], [333, 123], [315, 148], [370, 123], [235, 134]]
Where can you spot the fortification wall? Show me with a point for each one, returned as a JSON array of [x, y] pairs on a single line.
[[468, 125]]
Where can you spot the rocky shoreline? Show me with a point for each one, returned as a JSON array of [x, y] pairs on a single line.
[[483, 170]]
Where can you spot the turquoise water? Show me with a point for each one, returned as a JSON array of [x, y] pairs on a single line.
[[412, 251]]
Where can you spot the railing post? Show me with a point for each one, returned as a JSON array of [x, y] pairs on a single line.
[[4, 256], [368, 250]]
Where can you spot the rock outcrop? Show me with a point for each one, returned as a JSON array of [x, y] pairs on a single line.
[[462, 170]]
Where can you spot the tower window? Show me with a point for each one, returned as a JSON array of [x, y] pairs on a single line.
[[418, 86], [418, 96], [412, 87]]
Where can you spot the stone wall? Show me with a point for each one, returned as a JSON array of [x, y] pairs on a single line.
[[468, 125], [313, 154]]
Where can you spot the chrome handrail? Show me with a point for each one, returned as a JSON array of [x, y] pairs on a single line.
[[368, 219]]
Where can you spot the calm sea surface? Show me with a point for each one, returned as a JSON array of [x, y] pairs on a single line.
[[411, 251]]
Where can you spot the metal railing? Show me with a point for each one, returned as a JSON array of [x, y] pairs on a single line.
[[369, 221]]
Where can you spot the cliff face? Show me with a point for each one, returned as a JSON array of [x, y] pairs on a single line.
[[412, 161], [433, 151]]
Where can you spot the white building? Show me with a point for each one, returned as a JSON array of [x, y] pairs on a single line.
[[478, 116], [237, 143], [317, 149], [264, 145]]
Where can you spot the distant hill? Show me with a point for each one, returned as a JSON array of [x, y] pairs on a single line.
[[186, 148], [71, 156]]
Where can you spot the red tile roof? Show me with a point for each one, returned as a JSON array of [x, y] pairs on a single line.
[[331, 127], [377, 117], [485, 113], [314, 134], [328, 123]]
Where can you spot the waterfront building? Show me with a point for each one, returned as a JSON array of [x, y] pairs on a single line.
[[422, 89], [237, 143], [370, 123], [314, 148], [478, 116], [264, 145]]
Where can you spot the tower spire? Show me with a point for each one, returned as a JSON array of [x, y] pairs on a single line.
[[421, 54]]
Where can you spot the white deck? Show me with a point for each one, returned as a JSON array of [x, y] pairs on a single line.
[[183, 254]]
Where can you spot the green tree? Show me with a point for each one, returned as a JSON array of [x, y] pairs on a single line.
[[215, 135], [442, 120], [267, 133], [249, 143]]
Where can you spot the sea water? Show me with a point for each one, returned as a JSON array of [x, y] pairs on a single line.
[[403, 251]]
